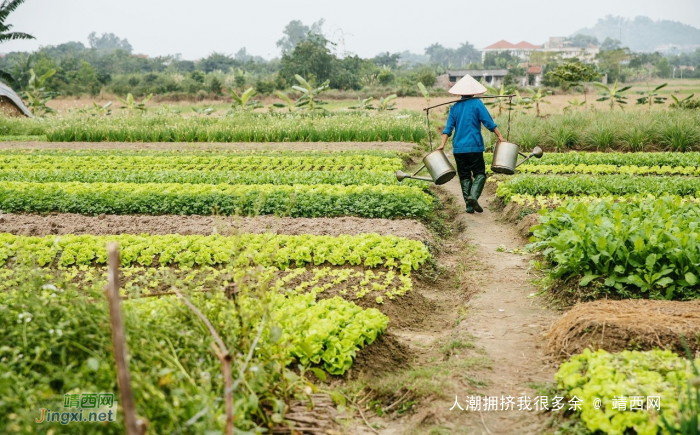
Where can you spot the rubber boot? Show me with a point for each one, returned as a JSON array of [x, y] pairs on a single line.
[[466, 192], [477, 188]]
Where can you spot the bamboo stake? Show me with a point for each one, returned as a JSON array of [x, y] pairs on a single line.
[[134, 425]]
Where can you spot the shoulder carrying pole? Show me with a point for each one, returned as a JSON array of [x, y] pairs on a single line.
[[481, 97]]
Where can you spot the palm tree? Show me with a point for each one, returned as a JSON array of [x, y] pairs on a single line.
[[7, 7]]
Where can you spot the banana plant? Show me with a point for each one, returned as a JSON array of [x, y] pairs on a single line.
[[424, 91], [288, 103], [130, 104], [36, 94], [386, 103], [97, 109], [574, 104], [203, 111], [685, 103], [613, 95], [244, 101], [499, 103], [538, 98], [309, 94], [651, 96], [520, 104], [363, 104]]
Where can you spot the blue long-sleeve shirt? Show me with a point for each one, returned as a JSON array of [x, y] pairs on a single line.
[[465, 120]]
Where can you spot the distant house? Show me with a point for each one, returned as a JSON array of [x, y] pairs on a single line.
[[522, 49], [493, 77], [559, 45], [11, 104], [533, 75]]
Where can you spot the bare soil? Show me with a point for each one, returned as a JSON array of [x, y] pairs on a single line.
[[60, 223], [234, 146]]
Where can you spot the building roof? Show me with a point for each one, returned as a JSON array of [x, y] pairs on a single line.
[[534, 69], [526, 45], [477, 73], [6, 91], [500, 45]]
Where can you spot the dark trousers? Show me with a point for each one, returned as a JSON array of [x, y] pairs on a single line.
[[469, 165]]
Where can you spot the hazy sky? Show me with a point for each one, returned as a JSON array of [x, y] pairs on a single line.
[[197, 28]]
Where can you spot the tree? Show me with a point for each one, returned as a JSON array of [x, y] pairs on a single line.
[[610, 44], [466, 54], [311, 59], [387, 59], [583, 41], [663, 68], [218, 61], [610, 62], [108, 42], [6, 8], [574, 74], [297, 32], [501, 60]]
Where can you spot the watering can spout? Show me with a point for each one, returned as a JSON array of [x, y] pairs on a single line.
[[401, 175], [440, 169], [536, 152]]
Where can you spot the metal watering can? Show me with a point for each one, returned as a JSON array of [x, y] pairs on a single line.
[[505, 157], [439, 167]]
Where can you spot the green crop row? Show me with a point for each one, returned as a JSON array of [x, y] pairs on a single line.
[[201, 199], [194, 150], [622, 385], [280, 251], [293, 177], [41, 162], [610, 169], [152, 281], [673, 159], [255, 127], [602, 185], [57, 340], [670, 130], [642, 249]]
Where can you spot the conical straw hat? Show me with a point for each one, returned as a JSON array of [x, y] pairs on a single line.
[[467, 86]]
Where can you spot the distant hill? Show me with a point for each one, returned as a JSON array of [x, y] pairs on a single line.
[[644, 34]]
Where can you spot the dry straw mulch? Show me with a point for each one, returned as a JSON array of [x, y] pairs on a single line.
[[626, 325]]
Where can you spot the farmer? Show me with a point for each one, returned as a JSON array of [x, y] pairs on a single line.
[[466, 117]]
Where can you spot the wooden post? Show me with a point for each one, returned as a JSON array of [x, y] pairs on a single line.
[[134, 426]]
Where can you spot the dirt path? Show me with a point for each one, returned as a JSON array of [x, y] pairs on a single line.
[[497, 315], [235, 146]]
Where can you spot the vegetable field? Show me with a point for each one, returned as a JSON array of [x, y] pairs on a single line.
[[616, 226], [291, 304]]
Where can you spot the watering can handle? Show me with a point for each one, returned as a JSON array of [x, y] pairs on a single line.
[[419, 169]]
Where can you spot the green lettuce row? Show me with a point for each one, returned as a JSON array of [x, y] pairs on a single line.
[[55, 342], [209, 162], [643, 249], [602, 185], [609, 169], [281, 251], [291, 177], [145, 281], [682, 159], [340, 127], [202, 199], [197, 151], [607, 377]]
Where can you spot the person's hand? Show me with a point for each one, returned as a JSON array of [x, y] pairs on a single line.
[[500, 139], [440, 148]]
